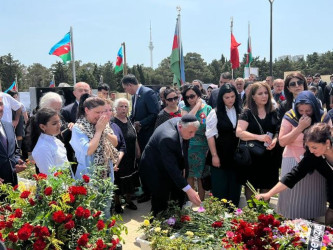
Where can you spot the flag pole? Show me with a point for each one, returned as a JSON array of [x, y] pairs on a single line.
[[231, 26], [53, 80], [249, 40], [72, 55], [125, 66], [16, 83], [179, 43]]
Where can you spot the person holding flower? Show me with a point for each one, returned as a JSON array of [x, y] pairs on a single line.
[[277, 91], [198, 148], [92, 138], [171, 110], [48, 151], [222, 141], [318, 156]]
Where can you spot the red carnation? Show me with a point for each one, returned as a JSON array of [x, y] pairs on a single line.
[[100, 225], [100, 244], [52, 203], [71, 198], [68, 217], [97, 214], [56, 174], [79, 211], [114, 243], [39, 245], [25, 231], [12, 237], [2, 225], [40, 176], [15, 187], [83, 240], [41, 231], [25, 194], [112, 223], [59, 216], [217, 224], [282, 97], [86, 213], [77, 190], [9, 223], [86, 178], [7, 207], [32, 202], [69, 225], [185, 218], [48, 191], [18, 213]]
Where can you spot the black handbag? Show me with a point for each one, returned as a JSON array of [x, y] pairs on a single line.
[[256, 147], [242, 155]]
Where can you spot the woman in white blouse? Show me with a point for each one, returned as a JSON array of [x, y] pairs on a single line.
[[48, 151], [221, 135]]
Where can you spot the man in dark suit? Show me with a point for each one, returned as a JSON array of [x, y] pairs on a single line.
[[224, 78], [69, 112], [10, 162], [145, 108], [164, 164]]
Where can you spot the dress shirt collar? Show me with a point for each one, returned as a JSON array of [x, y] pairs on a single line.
[[138, 90]]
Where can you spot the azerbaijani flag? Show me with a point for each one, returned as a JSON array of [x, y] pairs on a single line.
[[234, 55], [119, 62], [177, 59], [52, 85], [63, 48], [11, 87], [249, 57]]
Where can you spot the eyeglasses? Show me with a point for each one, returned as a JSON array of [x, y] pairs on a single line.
[[172, 99], [190, 96], [298, 83]]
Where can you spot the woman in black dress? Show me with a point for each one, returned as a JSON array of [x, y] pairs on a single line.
[[126, 175], [318, 156], [221, 135], [254, 123]]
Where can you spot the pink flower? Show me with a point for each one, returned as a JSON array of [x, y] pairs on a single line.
[[201, 210]]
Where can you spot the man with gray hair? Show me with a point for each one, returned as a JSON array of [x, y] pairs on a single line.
[[164, 163]]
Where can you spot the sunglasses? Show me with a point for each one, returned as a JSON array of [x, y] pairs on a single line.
[[172, 99], [190, 96], [298, 83]]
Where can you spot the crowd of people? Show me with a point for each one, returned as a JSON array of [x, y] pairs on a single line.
[[170, 143]]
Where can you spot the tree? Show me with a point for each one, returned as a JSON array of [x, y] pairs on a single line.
[[196, 68], [38, 76], [60, 72], [9, 69]]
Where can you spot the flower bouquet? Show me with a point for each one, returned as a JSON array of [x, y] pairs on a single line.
[[61, 214]]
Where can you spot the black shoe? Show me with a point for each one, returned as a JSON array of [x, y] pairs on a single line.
[[143, 198], [118, 209], [131, 206]]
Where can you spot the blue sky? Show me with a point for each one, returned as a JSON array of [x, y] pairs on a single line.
[[30, 28]]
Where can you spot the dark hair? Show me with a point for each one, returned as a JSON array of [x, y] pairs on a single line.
[[251, 103], [90, 102], [317, 75], [12, 92], [42, 116], [195, 89], [168, 91], [226, 75], [289, 96], [129, 79], [103, 86], [318, 133], [220, 108]]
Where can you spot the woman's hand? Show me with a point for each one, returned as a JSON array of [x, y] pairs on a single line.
[[264, 196], [272, 145], [113, 139], [216, 161], [101, 123], [199, 102], [304, 122], [264, 138], [115, 168]]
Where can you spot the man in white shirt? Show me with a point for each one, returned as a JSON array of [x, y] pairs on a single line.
[[11, 104]]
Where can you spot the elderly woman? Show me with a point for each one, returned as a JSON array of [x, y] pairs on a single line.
[[254, 123], [49, 100], [198, 148], [171, 110], [126, 175], [318, 157], [308, 198], [92, 138]]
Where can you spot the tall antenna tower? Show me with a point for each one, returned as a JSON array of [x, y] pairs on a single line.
[[151, 47]]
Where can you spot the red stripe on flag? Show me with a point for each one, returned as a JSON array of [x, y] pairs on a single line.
[[119, 61], [62, 50], [175, 42]]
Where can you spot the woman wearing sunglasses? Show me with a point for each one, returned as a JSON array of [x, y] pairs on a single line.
[[198, 148], [171, 110], [308, 198], [294, 84]]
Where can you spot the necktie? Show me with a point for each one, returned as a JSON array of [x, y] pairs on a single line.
[[3, 139], [134, 104]]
